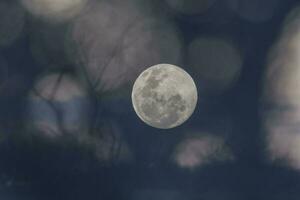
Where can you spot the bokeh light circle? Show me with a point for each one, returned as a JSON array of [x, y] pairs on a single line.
[[54, 10], [115, 43], [216, 63]]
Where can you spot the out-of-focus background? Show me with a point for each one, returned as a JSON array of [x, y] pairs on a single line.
[[67, 126]]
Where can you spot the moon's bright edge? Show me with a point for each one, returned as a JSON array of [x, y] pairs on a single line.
[[164, 96]]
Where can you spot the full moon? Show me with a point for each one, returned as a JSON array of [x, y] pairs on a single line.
[[164, 96]]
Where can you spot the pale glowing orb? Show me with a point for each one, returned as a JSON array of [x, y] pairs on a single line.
[[58, 104], [282, 96], [59, 108], [216, 63], [58, 87], [284, 147], [54, 10], [199, 150], [164, 96], [114, 43]]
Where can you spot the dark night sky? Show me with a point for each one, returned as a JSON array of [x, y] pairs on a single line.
[[71, 166]]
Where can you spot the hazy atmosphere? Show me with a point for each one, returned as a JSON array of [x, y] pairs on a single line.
[[149, 100]]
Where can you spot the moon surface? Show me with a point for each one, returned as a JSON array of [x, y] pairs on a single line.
[[164, 96]]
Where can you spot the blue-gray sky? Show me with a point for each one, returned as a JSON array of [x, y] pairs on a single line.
[[67, 126]]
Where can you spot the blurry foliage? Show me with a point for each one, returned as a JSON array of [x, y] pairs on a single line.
[[120, 38]]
